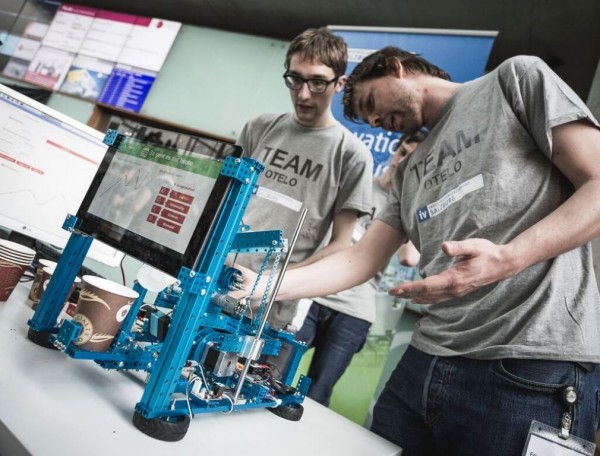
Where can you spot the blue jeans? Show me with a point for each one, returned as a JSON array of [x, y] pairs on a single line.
[[336, 337], [458, 406]]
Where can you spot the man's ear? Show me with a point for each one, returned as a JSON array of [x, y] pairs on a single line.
[[341, 82]]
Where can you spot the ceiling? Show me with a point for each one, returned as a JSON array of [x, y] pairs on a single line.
[[566, 37]]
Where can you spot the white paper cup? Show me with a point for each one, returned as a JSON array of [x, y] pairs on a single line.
[[13, 261], [16, 248]]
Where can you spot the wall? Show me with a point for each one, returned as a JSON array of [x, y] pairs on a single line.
[[215, 81]]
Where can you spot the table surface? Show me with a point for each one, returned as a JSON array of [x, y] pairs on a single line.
[[51, 404]]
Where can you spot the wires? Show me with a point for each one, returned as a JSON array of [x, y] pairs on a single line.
[[123, 271], [26, 277], [202, 373], [187, 399], [195, 390], [190, 386], [230, 399]]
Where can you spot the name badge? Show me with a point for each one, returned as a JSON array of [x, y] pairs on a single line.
[[279, 198], [544, 440]]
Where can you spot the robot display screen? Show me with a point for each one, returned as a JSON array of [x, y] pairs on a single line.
[[157, 203]]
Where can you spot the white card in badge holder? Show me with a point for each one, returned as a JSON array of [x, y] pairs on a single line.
[[544, 440]]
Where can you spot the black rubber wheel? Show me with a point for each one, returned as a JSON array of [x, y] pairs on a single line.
[[169, 429], [40, 338], [292, 412]]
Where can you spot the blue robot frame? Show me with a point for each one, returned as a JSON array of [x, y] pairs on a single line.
[[211, 358]]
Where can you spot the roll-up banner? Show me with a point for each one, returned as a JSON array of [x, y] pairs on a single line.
[[461, 53]]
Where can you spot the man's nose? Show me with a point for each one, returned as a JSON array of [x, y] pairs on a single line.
[[304, 91]]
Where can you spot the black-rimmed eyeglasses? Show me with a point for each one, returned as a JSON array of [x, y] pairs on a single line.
[[314, 85]]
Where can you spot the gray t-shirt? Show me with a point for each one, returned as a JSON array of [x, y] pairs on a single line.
[[491, 176], [325, 169]]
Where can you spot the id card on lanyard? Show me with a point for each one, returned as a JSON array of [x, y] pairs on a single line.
[[544, 440]]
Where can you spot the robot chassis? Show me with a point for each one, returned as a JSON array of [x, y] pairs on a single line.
[[205, 355]]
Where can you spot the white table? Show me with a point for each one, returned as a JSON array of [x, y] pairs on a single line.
[[53, 405]]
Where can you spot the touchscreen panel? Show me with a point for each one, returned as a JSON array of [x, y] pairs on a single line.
[[156, 203]]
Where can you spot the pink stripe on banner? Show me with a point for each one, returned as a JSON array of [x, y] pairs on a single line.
[[117, 17], [76, 9], [143, 21]]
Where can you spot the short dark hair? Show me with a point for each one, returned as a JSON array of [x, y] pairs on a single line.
[[382, 63], [417, 136], [320, 45]]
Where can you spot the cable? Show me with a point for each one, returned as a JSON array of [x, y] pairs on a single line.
[[187, 401], [123, 271], [230, 399], [203, 377]]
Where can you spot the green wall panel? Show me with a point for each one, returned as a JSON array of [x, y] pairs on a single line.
[[215, 81], [76, 108]]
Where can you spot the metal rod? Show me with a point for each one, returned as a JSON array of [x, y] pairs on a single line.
[[270, 303], [281, 273]]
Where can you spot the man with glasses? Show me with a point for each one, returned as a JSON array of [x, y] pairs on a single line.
[[312, 160]]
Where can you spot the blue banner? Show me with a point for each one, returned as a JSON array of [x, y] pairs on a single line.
[[461, 53]]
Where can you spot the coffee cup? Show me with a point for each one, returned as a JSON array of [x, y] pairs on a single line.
[[36, 286], [47, 274], [101, 308], [10, 274]]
